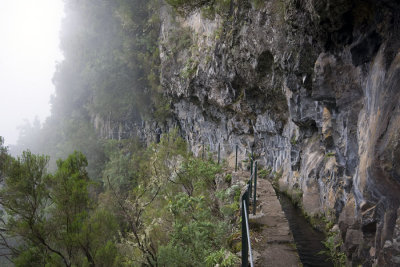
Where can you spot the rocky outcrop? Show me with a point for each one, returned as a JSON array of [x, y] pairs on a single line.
[[145, 130], [313, 87]]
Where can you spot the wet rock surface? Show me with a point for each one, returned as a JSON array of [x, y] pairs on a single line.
[[313, 87]]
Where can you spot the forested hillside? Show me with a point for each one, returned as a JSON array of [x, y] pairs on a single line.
[[119, 201], [155, 206], [110, 71]]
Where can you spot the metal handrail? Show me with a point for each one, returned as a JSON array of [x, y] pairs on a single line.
[[246, 243], [248, 234], [255, 189], [236, 159], [250, 185]]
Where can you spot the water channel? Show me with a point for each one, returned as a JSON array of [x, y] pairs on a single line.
[[308, 240]]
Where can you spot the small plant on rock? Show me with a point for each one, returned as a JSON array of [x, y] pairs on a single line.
[[275, 178], [293, 140], [264, 173], [332, 244], [222, 258], [228, 178]]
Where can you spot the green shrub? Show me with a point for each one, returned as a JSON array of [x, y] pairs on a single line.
[[186, 6], [293, 140], [195, 229], [170, 255], [258, 3], [222, 257], [264, 173], [180, 39], [208, 7], [332, 244], [275, 178], [329, 155], [190, 68], [296, 196], [228, 178]]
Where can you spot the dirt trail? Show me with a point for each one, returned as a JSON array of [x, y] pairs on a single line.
[[271, 240]]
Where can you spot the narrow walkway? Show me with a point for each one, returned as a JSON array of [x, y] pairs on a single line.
[[271, 240]]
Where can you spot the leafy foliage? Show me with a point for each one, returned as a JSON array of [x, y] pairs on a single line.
[[222, 257], [123, 161], [333, 243], [158, 206], [195, 230], [51, 219], [181, 4], [171, 217], [209, 7], [3, 156]]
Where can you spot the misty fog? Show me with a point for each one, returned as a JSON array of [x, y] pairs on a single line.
[[29, 50]]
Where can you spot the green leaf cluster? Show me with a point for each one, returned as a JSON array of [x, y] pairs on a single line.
[[3, 156], [196, 232], [332, 244], [208, 7], [156, 206], [170, 216], [50, 219]]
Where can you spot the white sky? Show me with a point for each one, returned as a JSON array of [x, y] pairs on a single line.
[[29, 50]]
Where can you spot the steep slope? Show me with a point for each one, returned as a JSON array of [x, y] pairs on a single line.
[[313, 87]]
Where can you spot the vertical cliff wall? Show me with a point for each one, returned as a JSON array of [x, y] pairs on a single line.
[[313, 86]]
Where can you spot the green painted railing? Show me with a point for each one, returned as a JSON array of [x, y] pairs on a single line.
[[245, 201]]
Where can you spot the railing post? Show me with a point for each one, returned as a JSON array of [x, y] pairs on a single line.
[[245, 245], [219, 152], [250, 185], [236, 161], [255, 189], [251, 165], [251, 176]]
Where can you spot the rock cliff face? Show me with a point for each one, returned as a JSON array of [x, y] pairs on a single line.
[[314, 87]]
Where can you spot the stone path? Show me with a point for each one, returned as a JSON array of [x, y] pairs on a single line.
[[271, 240]]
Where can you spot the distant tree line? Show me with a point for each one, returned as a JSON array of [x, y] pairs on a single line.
[[110, 69]]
